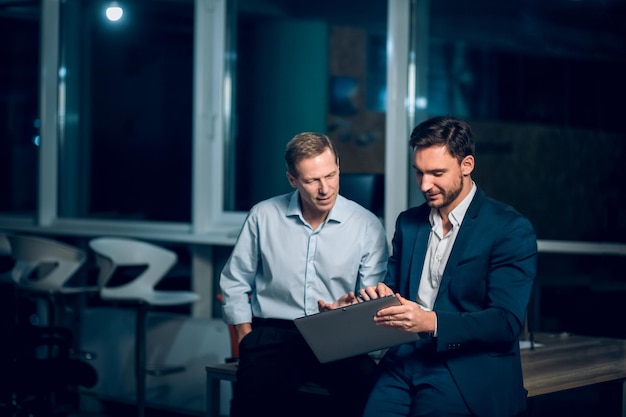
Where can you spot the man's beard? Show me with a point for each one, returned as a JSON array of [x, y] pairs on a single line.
[[448, 196]]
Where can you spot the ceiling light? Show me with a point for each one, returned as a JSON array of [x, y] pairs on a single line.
[[114, 12]]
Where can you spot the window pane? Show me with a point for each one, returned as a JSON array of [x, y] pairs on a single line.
[[542, 85], [19, 106], [307, 66], [126, 93]]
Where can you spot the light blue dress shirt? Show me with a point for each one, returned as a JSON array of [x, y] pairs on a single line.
[[286, 266]]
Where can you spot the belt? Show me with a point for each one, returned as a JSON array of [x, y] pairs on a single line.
[[280, 323]]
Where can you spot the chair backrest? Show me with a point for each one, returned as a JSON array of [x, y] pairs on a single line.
[[114, 252], [44, 264]]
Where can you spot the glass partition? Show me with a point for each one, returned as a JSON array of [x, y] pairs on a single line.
[[304, 66], [19, 106], [540, 83], [125, 125]]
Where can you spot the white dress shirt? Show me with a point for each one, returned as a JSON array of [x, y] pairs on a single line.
[[438, 252]]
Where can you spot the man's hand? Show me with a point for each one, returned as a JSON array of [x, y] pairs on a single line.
[[407, 317], [344, 300], [374, 291], [241, 330]]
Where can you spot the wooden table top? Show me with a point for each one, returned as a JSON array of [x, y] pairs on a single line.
[[562, 361], [565, 361]]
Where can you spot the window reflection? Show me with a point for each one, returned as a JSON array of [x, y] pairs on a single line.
[[19, 113], [539, 82], [306, 66], [128, 111]]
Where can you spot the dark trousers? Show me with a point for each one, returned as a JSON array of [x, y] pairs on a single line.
[[415, 383], [276, 363]]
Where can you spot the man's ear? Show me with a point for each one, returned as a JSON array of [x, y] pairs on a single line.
[[292, 180], [467, 165]]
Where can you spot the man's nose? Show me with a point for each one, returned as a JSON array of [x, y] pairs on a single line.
[[323, 186], [425, 183]]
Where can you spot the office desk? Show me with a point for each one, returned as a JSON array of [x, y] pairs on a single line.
[[562, 362], [566, 361], [214, 375]]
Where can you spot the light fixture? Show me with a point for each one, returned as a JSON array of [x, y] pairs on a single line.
[[114, 12]]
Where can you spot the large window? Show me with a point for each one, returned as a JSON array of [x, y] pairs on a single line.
[[179, 111]]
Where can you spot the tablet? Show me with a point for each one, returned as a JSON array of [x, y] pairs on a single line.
[[350, 331]]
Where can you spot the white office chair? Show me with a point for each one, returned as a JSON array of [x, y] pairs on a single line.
[[44, 267], [113, 254]]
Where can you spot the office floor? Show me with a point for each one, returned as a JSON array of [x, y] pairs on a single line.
[[79, 406], [602, 400], [117, 410]]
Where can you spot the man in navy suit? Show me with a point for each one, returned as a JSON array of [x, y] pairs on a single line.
[[462, 267]]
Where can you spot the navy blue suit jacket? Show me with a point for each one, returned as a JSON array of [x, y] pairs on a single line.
[[482, 300]]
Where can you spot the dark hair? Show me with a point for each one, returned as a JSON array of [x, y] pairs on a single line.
[[306, 145], [449, 131]]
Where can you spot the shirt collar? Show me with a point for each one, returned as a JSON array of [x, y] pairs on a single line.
[[339, 213], [456, 216]]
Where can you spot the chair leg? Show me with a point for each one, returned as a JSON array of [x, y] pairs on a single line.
[[140, 359], [52, 310]]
